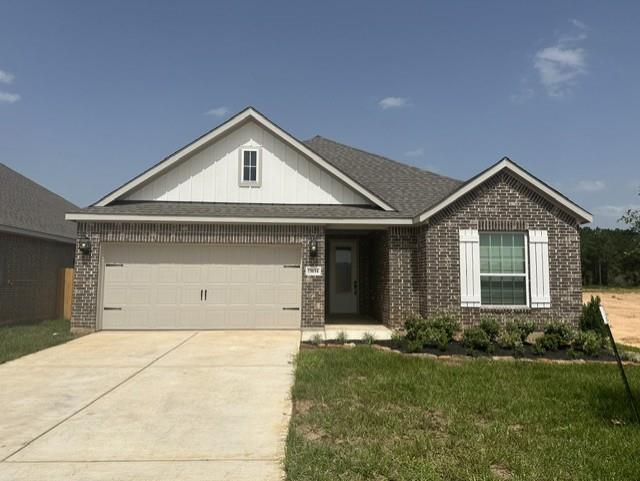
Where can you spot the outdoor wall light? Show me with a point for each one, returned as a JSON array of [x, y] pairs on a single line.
[[84, 244], [313, 248]]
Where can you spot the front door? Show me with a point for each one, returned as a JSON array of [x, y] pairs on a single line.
[[343, 277]]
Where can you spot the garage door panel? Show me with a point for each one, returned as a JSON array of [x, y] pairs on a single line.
[[158, 286]]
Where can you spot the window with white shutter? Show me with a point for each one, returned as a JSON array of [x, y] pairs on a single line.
[[539, 268], [469, 268]]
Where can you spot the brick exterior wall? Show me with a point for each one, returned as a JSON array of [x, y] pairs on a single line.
[[29, 270], [85, 295], [503, 203], [403, 270]]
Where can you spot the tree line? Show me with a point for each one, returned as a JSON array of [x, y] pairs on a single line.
[[611, 257]]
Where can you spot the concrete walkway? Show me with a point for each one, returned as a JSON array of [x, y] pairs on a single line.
[[124, 406]]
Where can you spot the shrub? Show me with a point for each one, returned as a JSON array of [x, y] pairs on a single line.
[[316, 339], [509, 338], [538, 348], [368, 338], [476, 339], [561, 332], [491, 327], [446, 323], [589, 342], [397, 339], [591, 319], [341, 337], [525, 328], [518, 350], [435, 332]]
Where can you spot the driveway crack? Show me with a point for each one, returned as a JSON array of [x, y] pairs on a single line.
[[90, 403]]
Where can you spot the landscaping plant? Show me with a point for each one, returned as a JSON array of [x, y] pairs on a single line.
[[433, 332], [491, 327], [591, 319], [476, 339]]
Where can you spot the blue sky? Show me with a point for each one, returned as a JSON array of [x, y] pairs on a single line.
[[92, 93]]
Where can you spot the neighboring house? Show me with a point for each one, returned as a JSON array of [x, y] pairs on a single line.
[[35, 243], [248, 227]]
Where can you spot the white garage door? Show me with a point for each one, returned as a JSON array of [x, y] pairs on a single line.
[[176, 286]]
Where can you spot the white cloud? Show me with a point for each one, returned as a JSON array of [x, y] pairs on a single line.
[[218, 111], [419, 152], [522, 96], [560, 65], [393, 103], [578, 24], [6, 77], [609, 215], [590, 186], [6, 97]]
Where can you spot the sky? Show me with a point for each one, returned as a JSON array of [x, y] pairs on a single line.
[[92, 93]]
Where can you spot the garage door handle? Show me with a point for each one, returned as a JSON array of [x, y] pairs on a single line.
[[113, 308], [290, 308], [201, 293], [291, 266], [114, 264], [205, 294]]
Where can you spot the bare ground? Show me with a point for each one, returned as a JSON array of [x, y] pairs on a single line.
[[623, 310]]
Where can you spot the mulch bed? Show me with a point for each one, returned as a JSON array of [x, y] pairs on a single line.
[[457, 351]]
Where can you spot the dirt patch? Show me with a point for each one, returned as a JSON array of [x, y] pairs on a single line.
[[500, 472], [311, 433], [623, 310]]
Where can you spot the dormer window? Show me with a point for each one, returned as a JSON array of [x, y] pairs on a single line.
[[250, 167]]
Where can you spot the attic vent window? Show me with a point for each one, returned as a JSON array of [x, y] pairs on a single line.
[[250, 167]]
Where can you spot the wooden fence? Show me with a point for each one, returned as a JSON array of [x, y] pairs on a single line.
[[65, 292]]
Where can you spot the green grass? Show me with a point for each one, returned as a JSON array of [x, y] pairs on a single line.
[[363, 414], [19, 339]]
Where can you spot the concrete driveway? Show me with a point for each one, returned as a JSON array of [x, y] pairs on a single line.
[[123, 406]]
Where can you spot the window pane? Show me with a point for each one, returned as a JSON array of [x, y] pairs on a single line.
[[503, 291], [502, 253], [343, 269], [247, 173]]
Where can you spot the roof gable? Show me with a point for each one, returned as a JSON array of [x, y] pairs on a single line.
[[28, 208], [533, 182], [247, 115]]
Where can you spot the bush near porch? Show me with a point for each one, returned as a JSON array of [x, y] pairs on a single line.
[[558, 339], [366, 414]]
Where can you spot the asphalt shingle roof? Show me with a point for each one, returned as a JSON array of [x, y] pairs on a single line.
[[408, 189], [204, 209], [28, 206]]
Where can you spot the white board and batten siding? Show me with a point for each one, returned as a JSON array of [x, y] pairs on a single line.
[[470, 293], [212, 175], [539, 269], [469, 268]]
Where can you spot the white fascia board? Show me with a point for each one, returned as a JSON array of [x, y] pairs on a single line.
[[80, 217], [221, 130], [540, 186]]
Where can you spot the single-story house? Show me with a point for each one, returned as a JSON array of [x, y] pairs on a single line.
[[249, 227], [35, 243]]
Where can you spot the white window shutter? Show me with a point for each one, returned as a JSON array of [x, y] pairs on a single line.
[[469, 268], [539, 268]]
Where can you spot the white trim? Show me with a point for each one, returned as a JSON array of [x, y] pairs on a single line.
[[241, 180], [508, 164], [540, 278], [248, 113], [233, 220], [525, 274], [469, 242]]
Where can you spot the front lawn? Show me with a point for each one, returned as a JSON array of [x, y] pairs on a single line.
[[19, 339], [364, 414]]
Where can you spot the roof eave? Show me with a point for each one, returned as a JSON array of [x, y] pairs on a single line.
[[581, 215], [93, 217]]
